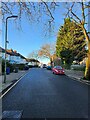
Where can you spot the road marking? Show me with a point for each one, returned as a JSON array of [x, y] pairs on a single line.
[[13, 85], [12, 114]]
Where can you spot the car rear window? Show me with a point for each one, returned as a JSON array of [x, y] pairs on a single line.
[[58, 67]]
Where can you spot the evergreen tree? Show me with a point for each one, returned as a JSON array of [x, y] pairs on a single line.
[[70, 42]]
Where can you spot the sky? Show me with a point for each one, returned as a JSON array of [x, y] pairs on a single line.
[[31, 36]]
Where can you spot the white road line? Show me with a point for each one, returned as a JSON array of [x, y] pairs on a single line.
[[13, 86]]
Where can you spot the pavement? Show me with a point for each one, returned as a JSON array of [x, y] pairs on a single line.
[[12, 77], [76, 75]]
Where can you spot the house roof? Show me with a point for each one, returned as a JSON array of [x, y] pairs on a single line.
[[21, 56], [11, 52], [32, 60]]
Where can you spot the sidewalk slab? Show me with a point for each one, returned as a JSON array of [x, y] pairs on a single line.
[[74, 73], [78, 75], [12, 77]]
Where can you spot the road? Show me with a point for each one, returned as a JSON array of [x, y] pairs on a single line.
[[41, 94]]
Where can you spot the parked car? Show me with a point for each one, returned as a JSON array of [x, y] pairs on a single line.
[[49, 67], [26, 67], [58, 70], [44, 65]]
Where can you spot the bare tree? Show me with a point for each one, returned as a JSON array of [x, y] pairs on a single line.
[[33, 55], [47, 51], [33, 11]]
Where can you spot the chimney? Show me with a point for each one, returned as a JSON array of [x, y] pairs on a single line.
[[15, 51]]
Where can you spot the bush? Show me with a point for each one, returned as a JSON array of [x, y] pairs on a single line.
[[20, 66], [78, 67], [35, 66], [30, 66], [11, 66], [66, 66], [3, 66]]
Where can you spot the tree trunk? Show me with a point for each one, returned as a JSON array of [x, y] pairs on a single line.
[[51, 61], [87, 70]]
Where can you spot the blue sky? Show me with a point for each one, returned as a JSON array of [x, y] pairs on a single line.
[[32, 36]]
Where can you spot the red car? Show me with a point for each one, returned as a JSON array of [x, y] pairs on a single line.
[[58, 70]]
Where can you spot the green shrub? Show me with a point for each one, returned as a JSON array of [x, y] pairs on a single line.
[[66, 66], [35, 66], [20, 66], [11, 66], [3, 66], [8, 64], [30, 66], [78, 67]]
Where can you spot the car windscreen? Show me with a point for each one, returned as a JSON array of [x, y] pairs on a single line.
[[58, 67]]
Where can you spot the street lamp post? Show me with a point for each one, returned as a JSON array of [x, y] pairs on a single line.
[[13, 16]]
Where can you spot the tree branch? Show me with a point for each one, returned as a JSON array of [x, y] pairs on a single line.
[[83, 13], [8, 10], [76, 16], [52, 18]]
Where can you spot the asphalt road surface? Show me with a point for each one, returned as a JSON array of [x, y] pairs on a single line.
[[41, 94]]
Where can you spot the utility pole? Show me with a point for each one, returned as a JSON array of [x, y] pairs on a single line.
[[13, 16]]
